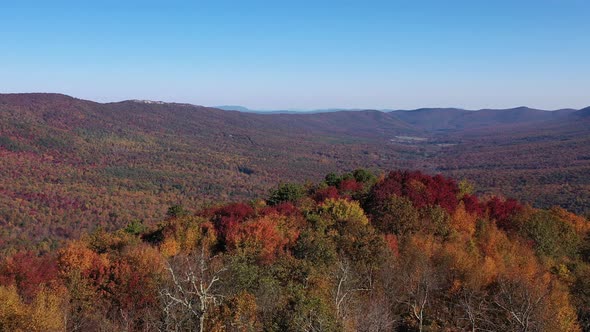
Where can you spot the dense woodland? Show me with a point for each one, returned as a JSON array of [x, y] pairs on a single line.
[[68, 166], [404, 251]]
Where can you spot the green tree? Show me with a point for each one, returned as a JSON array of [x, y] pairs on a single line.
[[286, 192], [332, 179], [176, 211], [364, 176], [465, 188], [552, 236], [135, 227], [396, 216]]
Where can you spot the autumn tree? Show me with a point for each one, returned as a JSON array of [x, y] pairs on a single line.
[[264, 238], [192, 291], [397, 215], [417, 279], [238, 313], [44, 313], [552, 236]]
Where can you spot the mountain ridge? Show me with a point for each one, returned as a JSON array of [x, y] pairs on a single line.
[[353, 122], [135, 158]]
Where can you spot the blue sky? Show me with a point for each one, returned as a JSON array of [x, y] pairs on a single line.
[[302, 54]]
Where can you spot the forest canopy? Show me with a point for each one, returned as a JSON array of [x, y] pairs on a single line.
[[405, 251]]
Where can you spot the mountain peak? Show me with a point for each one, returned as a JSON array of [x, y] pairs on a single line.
[[145, 101], [521, 108], [35, 96]]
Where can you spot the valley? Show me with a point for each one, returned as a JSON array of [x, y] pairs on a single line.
[[72, 165]]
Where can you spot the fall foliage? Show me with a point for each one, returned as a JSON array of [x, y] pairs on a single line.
[[406, 252]]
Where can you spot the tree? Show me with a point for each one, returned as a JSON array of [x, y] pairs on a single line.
[[332, 179], [551, 235], [44, 313], [136, 226], [13, 312], [463, 222], [262, 238], [326, 193], [348, 284], [364, 176], [28, 272], [396, 216], [417, 280], [350, 186], [237, 314], [435, 220], [421, 189], [521, 303], [286, 192], [47, 311], [193, 289], [503, 212], [227, 220], [176, 211], [528, 297], [475, 309], [465, 188], [341, 210]]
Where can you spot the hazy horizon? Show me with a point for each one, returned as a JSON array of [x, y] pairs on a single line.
[[304, 55], [328, 109]]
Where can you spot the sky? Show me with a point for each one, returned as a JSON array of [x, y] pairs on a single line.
[[302, 54]]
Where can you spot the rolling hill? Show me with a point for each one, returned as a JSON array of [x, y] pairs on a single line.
[[69, 165], [453, 119]]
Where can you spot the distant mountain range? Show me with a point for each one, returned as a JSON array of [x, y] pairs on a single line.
[[355, 123], [449, 119], [457, 119], [305, 111]]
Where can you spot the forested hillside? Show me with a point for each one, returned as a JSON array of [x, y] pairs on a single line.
[[69, 166], [404, 251], [386, 166]]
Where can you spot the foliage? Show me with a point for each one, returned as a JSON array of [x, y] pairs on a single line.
[[551, 235], [344, 211], [286, 192], [176, 211], [396, 216], [414, 254], [135, 227], [70, 165]]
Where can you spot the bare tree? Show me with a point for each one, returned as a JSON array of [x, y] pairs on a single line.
[[417, 282], [193, 290], [521, 302], [348, 284], [418, 299], [310, 323], [375, 314], [475, 309]]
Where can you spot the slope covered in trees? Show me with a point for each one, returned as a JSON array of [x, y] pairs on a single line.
[[70, 165], [404, 251], [454, 119]]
